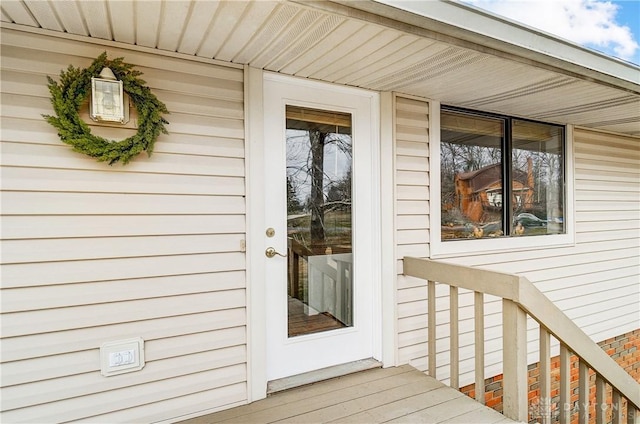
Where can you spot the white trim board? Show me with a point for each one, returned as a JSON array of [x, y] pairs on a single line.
[[256, 311]]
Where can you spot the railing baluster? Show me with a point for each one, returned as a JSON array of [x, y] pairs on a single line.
[[454, 338], [601, 399], [633, 415], [479, 345], [514, 351], [565, 385], [431, 321], [583, 393], [616, 407], [545, 376]]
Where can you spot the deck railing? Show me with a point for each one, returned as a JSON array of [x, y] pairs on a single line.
[[520, 298]]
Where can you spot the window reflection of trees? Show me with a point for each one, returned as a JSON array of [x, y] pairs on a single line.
[[319, 184], [471, 173]]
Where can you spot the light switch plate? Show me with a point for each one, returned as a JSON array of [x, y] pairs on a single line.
[[121, 356]]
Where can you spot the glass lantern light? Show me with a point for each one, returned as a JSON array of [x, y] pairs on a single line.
[[107, 98]]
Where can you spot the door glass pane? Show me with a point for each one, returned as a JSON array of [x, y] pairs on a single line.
[[319, 220], [538, 179], [471, 176]]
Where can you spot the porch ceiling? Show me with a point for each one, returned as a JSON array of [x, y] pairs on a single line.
[[348, 45]]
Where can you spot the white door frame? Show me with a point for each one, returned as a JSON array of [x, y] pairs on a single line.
[[384, 305]]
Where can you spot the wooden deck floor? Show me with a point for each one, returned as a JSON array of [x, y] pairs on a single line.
[[392, 395]]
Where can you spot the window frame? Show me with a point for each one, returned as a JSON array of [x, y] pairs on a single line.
[[453, 248]]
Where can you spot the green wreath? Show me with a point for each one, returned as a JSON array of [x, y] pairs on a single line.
[[70, 94]]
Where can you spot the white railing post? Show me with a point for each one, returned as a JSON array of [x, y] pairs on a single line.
[[515, 382], [479, 345], [583, 392], [601, 400], [545, 376], [616, 408], [431, 324], [454, 337], [565, 385]]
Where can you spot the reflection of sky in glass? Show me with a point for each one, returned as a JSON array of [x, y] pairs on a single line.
[[337, 162]]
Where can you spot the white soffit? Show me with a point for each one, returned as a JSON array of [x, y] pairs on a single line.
[[357, 43]]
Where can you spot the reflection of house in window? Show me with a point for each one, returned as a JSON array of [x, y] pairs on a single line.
[[480, 192]]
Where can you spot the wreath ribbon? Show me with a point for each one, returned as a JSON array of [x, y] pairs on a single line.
[[69, 94]]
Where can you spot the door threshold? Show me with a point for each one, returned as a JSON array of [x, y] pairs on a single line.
[[321, 374]]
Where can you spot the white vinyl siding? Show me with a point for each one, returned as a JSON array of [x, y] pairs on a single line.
[[595, 281], [412, 222], [93, 253]]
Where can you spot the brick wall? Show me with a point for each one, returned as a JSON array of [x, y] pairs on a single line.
[[624, 349]]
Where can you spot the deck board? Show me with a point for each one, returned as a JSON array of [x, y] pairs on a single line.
[[449, 409], [400, 395], [345, 407], [486, 417]]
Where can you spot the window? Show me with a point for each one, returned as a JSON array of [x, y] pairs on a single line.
[[500, 177]]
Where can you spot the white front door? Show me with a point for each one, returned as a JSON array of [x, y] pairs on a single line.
[[322, 248]]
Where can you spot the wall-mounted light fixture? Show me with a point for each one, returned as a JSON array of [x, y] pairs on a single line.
[[107, 98]]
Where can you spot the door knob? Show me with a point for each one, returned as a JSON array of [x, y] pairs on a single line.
[[271, 252]]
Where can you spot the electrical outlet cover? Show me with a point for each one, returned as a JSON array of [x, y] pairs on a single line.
[[121, 356]]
